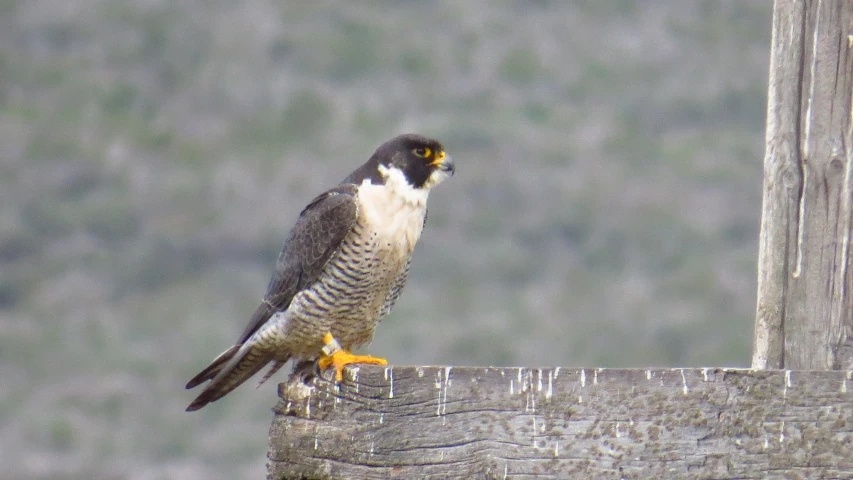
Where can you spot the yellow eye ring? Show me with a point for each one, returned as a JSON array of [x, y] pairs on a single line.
[[423, 152]]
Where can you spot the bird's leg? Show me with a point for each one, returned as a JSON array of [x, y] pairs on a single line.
[[335, 356]]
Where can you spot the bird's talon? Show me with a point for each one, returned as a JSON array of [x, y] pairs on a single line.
[[342, 358]]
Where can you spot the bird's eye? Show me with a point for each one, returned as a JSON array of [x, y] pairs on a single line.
[[422, 152]]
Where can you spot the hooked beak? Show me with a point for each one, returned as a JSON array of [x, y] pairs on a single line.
[[446, 164]]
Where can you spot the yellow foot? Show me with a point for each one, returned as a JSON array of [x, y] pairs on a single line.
[[335, 356]]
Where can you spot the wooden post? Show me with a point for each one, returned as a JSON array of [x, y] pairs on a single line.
[[804, 314], [515, 423]]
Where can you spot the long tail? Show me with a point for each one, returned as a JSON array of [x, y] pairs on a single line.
[[230, 369], [215, 366]]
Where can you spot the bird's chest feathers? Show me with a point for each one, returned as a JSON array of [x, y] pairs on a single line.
[[393, 214]]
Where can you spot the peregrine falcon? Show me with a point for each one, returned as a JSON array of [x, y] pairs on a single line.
[[341, 270]]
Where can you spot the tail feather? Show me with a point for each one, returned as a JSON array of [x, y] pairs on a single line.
[[275, 367], [229, 373], [215, 366]]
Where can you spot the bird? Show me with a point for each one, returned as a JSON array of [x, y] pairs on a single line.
[[341, 270]]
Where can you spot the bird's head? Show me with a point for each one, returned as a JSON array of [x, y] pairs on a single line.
[[419, 161]]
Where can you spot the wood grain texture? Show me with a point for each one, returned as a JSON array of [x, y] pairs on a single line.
[[805, 269], [519, 423]]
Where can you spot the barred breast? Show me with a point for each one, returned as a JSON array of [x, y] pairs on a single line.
[[362, 281]]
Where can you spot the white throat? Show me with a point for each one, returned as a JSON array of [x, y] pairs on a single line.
[[395, 209], [399, 188]]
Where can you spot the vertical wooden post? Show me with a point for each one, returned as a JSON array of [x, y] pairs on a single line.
[[804, 314]]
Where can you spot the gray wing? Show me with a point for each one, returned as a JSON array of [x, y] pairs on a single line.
[[312, 242]]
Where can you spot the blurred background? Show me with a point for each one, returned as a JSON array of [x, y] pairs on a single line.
[[154, 154]]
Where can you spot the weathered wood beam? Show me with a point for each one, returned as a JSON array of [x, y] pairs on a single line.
[[805, 266], [566, 423]]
